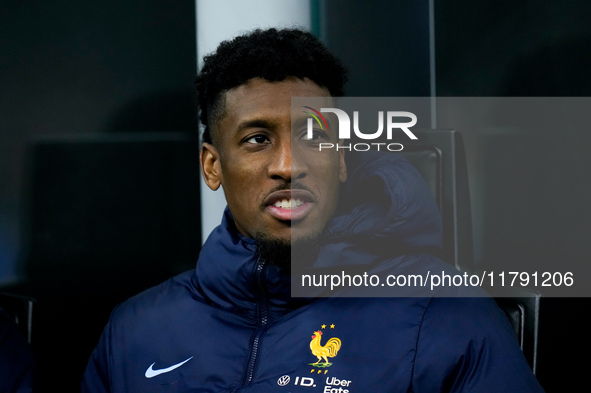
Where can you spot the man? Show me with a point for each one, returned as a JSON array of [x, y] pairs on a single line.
[[231, 324]]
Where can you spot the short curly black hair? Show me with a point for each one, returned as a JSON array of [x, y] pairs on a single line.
[[272, 54]]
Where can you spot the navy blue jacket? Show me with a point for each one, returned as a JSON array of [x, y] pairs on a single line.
[[231, 325]]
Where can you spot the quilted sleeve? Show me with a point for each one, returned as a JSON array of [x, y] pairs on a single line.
[[468, 345]]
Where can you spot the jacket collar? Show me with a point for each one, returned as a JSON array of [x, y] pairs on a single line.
[[394, 214], [226, 274]]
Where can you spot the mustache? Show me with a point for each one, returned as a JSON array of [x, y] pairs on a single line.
[[290, 186]]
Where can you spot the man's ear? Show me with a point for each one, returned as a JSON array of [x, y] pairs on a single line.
[[210, 166], [342, 166]]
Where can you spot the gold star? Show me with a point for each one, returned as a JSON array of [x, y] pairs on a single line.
[[323, 326], [332, 326]]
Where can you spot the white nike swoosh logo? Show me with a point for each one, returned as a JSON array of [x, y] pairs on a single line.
[[151, 373]]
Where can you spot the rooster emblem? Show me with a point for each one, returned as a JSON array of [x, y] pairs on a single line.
[[323, 352]]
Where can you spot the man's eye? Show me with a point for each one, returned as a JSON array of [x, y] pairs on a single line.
[[317, 134], [257, 139]]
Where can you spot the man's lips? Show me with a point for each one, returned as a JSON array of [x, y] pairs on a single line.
[[289, 205]]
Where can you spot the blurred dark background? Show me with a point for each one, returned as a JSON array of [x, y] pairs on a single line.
[[529, 195], [99, 194]]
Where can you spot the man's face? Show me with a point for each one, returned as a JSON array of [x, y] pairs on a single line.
[[276, 182]]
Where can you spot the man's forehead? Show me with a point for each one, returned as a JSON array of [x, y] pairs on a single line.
[[261, 98]]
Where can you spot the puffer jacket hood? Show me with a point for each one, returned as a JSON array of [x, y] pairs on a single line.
[[386, 209], [387, 199]]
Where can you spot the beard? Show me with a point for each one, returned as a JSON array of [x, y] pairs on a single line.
[[280, 252]]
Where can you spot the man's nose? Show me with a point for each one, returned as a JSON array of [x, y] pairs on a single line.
[[287, 164]]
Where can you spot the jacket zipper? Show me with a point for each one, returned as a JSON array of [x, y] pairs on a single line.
[[263, 320]]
